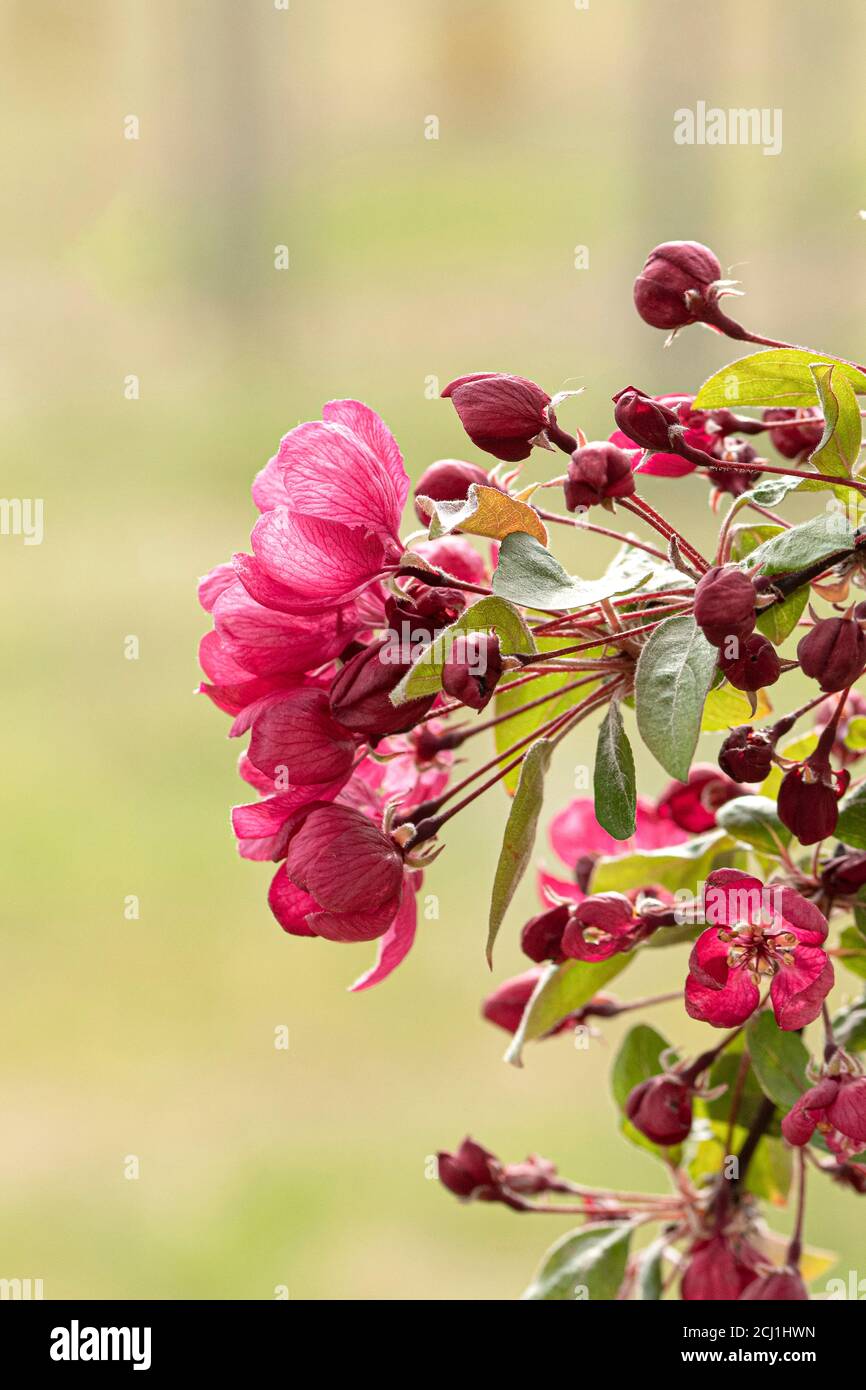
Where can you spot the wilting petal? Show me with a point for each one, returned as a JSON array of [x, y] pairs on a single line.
[[395, 945], [323, 562], [296, 738], [347, 863], [799, 990], [328, 472], [290, 904]]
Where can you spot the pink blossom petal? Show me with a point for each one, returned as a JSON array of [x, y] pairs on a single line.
[[800, 916], [799, 990], [350, 927], [324, 562], [395, 945], [726, 1007], [575, 832], [347, 863], [665, 466], [732, 897], [211, 585], [330, 473], [549, 885], [847, 1112], [262, 827], [295, 737], [371, 429], [266, 643], [454, 555], [291, 905]]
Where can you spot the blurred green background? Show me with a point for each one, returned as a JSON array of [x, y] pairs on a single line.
[[410, 259]]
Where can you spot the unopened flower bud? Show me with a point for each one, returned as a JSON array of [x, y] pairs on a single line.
[[747, 754], [677, 286], [541, 938], [598, 473], [361, 694], [472, 669], [801, 437], [833, 653], [646, 421], [502, 414], [661, 1108], [779, 1286], [845, 874], [725, 604], [449, 480], [753, 662], [808, 800], [731, 480]]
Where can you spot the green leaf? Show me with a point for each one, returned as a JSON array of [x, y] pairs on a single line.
[[519, 838], [849, 1025], [815, 540], [562, 990], [859, 909], [781, 376], [779, 621], [674, 675], [639, 1057], [511, 731], [528, 574], [649, 1280], [726, 1072], [676, 867], [753, 820], [839, 447], [614, 783], [772, 491], [851, 825], [779, 1059], [852, 952], [487, 615], [855, 734], [587, 1264]]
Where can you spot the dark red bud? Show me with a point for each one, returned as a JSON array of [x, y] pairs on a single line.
[[360, 696], [752, 662], [661, 1108], [472, 669], [845, 874], [449, 480], [471, 1172], [801, 437], [833, 653], [541, 938], [808, 801], [597, 473], [676, 286], [780, 1286], [725, 604], [747, 754], [731, 480], [502, 414], [648, 422]]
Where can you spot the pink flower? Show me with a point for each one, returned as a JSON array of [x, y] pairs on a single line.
[[579, 840], [692, 805], [331, 500], [757, 935], [719, 1269], [835, 1105]]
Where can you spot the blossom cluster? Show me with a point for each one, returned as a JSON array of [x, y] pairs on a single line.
[[361, 660]]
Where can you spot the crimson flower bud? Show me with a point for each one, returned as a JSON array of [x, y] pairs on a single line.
[[646, 421], [747, 754], [598, 473], [801, 437], [808, 800], [719, 1269], [361, 694], [472, 669], [851, 1175], [677, 286], [779, 1286], [845, 874], [472, 1172], [725, 604], [502, 414], [449, 480], [833, 653], [729, 479], [692, 805], [541, 938], [754, 665], [661, 1108]]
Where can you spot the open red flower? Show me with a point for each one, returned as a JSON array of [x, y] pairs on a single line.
[[758, 935], [835, 1105]]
